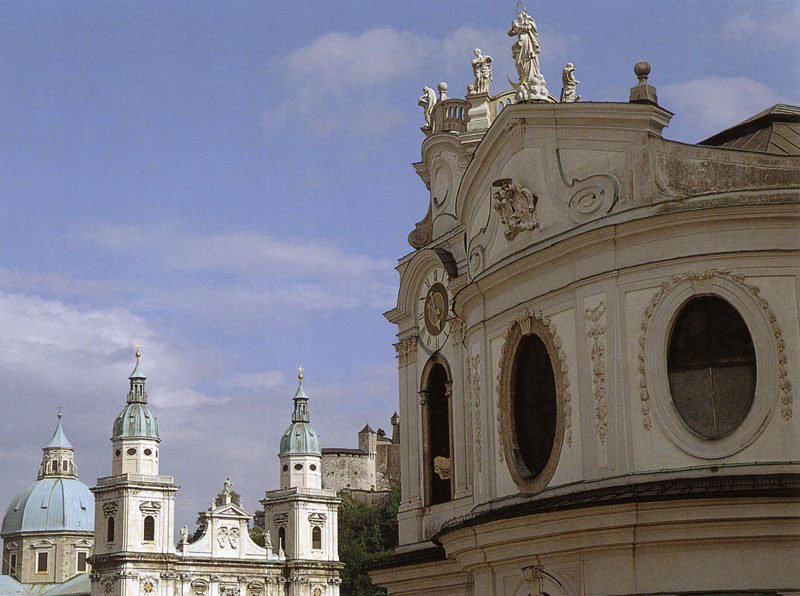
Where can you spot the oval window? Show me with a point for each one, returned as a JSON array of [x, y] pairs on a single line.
[[148, 452], [285, 468], [298, 466], [534, 406], [118, 452], [131, 451], [313, 467], [711, 367]]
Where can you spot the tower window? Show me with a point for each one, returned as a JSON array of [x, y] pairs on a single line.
[[81, 561], [439, 462], [312, 467], [118, 452], [42, 561], [285, 467], [131, 451], [316, 538], [110, 529], [12, 564], [148, 452], [298, 466], [64, 465], [54, 466], [149, 529], [282, 538]]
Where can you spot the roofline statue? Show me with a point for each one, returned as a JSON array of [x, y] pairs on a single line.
[[525, 51]]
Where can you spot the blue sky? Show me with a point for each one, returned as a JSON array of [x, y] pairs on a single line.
[[229, 185]]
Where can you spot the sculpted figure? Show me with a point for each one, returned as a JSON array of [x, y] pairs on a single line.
[[482, 69], [427, 101], [516, 206], [525, 52], [569, 83], [268, 539], [184, 535]]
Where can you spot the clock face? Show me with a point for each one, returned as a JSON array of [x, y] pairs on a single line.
[[434, 309]]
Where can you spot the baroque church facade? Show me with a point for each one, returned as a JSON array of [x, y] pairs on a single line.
[[598, 348], [120, 540]]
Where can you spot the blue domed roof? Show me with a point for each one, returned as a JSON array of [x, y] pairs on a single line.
[[300, 438], [51, 504]]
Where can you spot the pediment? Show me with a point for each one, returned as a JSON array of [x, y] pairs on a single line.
[[537, 175]]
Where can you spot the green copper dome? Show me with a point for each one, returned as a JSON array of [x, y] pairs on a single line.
[[300, 438], [136, 419]]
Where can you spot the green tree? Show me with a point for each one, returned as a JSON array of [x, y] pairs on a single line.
[[366, 535]]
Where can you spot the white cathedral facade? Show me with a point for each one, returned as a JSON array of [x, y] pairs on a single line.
[[135, 552]]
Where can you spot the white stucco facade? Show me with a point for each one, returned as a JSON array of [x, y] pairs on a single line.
[[577, 224]]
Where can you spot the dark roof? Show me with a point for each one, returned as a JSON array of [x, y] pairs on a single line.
[[366, 429], [334, 450], [776, 130]]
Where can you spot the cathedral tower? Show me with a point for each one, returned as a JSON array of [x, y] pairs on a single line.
[[301, 517], [134, 507]]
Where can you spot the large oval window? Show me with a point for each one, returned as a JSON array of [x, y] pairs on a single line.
[[711, 366], [534, 406]]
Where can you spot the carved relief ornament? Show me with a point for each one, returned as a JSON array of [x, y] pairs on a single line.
[[110, 509], [596, 333], [474, 384], [516, 206], [406, 351]]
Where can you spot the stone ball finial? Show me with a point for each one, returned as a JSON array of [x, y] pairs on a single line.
[[443, 90], [641, 70]]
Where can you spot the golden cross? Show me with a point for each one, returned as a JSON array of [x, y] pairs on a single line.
[[300, 371], [138, 352]]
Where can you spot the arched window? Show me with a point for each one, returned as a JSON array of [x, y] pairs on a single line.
[[282, 538], [149, 529], [438, 460], [711, 367], [110, 529], [316, 538]]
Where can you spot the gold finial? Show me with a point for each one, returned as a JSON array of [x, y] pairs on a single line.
[[300, 371], [138, 351]]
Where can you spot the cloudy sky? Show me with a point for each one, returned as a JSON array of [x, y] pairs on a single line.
[[228, 184]]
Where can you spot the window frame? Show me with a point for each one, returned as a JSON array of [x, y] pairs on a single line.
[[532, 323], [433, 361], [39, 570], [753, 308]]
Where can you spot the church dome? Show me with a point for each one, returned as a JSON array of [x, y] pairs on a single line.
[[300, 438], [136, 420], [51, 505], [57, 501]]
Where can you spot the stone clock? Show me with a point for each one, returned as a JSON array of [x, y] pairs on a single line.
[[434, 309]]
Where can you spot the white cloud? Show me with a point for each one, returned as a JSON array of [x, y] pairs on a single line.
[[65, 352], [766, 27], [244, 252], [341, 63], [707, 106], [345, 81]]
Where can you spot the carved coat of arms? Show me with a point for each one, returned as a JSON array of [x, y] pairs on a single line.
[[516, 206]]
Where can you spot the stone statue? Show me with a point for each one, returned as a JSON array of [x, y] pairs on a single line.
[[482, 69], [525, 52], [226, 487], [427, 101], [184, 535], [268, 540], [568, 84]]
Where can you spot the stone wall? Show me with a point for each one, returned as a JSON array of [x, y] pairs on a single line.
[[347, 468]]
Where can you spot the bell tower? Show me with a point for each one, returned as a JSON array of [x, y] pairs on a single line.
[[301, 516], [134, 507]]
